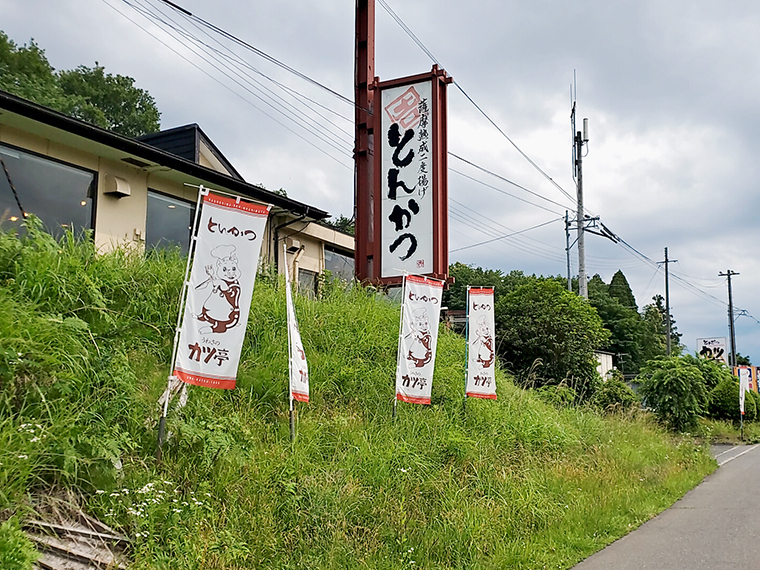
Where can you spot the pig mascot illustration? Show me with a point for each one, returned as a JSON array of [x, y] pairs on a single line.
[[221, 309], [420, 351], [482, 347]]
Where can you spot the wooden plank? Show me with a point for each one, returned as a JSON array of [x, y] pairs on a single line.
[[79, 531]]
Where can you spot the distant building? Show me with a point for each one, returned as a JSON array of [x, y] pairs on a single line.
[[604, 363], [143, 192]]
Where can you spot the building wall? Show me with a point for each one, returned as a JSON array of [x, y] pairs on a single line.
[[122, 219]]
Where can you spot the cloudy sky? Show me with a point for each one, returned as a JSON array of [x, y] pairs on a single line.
[[671, 90]]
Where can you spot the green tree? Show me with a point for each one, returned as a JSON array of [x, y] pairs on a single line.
[[621, 290], [626, 326], [541, 320], [342, 223], [90, 94], [455, 297], [742, 360], [675, 389], [675, 336]]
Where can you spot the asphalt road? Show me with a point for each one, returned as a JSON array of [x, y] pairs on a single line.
[[715, 526]]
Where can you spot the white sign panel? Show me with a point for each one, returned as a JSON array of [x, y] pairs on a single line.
[[405, 145], [712, 349], [297, 366], [744, 377], [219, 291], [421, 310], [481, 359]]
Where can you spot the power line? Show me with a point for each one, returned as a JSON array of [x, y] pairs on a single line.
[[507, 236], [424, 48], [258, 52], [507, 180], [221, 83]]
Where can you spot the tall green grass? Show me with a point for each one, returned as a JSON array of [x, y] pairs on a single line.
[[512, 483]]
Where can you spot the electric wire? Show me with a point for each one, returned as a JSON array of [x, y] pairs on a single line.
[[506, 236], [259, 52], [224, 85], [503, 191], [273, 102], [424, 48]]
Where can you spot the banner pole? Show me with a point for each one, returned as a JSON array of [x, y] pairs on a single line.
[[467, 348], [291, 407], [182, 299], [398, 348]]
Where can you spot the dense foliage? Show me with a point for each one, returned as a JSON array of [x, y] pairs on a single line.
[[675, 389], [542, 321], [90, 94], [506, 483], [614, 395]]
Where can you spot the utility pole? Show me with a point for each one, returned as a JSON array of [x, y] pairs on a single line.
[[364, 94], [731, 330], [579, 139], [667, 298], [567, 250]]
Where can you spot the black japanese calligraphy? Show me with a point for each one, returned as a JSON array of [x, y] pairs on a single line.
[[399, 240]]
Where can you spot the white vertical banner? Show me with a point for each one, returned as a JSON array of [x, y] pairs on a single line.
[[418, 338], [744, 374], [297, 367], [406, 148], [481, 353], [219, 291]]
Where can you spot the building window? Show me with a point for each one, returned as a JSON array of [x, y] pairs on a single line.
[[60, 195], [169, 222], [339, 264], [307, 282]]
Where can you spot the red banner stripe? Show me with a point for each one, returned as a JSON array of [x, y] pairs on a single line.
[[205, 381], [424, 280], [229, 202], [484, 396], [412, 399], [481, 291], [301, 397]]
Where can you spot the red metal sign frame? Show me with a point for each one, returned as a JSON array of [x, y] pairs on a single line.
[[439, 170]]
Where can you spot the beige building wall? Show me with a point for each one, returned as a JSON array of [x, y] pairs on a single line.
[[121, 218]]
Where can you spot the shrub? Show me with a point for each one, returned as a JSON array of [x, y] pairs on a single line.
[[16, 550], [750, 406], [724, 400], [560, 396], [614, 395], [675, 389]]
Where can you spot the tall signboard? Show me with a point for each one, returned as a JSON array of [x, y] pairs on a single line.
[[712, 349], [410, 198]]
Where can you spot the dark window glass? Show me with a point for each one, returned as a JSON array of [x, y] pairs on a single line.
[[58, 194], [340, 265], [169, 222], [307, 282]]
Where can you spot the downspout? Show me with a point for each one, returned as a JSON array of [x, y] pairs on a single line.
[[277, 240]]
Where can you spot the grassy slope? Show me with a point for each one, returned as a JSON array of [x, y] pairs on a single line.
[[512, 483]]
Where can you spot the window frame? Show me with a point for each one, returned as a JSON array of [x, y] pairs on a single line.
[[91, 189]]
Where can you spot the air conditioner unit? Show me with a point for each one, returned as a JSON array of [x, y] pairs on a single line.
[[293, 245]]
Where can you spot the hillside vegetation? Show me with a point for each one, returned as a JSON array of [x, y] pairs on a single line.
[[512, 483]]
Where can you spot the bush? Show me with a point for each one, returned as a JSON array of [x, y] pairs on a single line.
[[16, 550], [724, 402], [755, 398], [560, 396], [615, 395], [675, 389], [750, 406]]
